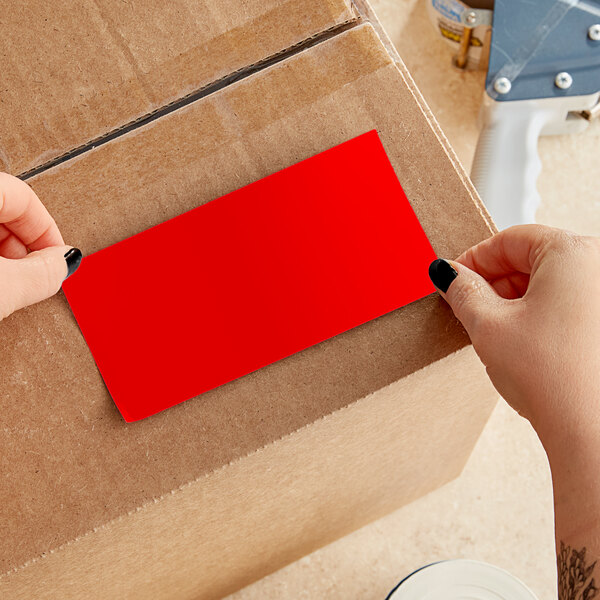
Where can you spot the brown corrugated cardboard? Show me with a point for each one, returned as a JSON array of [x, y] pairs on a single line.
[[218, 533], [73, 71], [209, 495]]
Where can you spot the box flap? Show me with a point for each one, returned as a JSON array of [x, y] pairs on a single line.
[[69, 461], [73, 71]]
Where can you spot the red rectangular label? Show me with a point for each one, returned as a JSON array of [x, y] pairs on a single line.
[[250, 278]]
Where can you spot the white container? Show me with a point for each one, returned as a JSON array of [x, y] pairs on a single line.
[[461, 580]]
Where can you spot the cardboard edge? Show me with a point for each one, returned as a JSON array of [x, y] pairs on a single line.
[[364, 8], [198, 94], [464, 355]]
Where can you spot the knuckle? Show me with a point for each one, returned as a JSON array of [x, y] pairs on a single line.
[[565, 241], [466, 293], [591, 244], [49, 278], [41, 280], [568, 246], [560, 245]]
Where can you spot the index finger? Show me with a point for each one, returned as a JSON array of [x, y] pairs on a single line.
[[24, 215], [513, 250]]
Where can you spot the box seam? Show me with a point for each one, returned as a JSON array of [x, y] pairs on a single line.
[[141, 507], [199, 94]]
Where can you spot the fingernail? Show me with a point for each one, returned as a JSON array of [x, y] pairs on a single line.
[[73, 258], [442, 273]]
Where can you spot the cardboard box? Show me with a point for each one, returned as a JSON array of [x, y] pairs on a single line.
[[76, 70], [216, 492]]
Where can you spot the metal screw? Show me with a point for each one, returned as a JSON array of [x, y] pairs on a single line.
[[502, 85], [594, 32], [471, 18], [563, 80]]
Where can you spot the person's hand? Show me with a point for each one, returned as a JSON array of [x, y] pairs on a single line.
[[34, 260], [529, 298]]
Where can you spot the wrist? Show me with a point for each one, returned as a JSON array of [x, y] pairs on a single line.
[[568, 438], [573, 452], [566, 424]]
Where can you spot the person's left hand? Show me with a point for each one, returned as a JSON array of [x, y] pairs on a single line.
[[34, 260]]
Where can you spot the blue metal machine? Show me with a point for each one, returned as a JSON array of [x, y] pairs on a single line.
[[543, 78]]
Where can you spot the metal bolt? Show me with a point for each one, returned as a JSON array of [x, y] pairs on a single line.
[[563, 80], [594, 32], [471, 18], [502, 85]]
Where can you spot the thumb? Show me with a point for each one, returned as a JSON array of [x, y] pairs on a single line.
[[472, 299], [38, 276]]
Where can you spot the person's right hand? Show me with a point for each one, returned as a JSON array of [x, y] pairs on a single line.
[[529, 298]]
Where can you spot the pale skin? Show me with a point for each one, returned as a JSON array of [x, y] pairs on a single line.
[[529, 298], [32, 250]]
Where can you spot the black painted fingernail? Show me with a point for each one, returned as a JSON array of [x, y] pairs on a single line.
[[73, 258], [442, 273]]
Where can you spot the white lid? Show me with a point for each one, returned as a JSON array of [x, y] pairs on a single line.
[[462, 580]]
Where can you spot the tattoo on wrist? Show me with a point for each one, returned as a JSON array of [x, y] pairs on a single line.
[[575, 576]]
